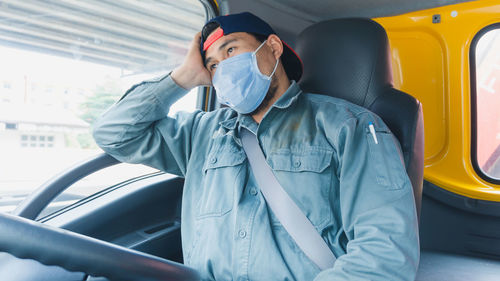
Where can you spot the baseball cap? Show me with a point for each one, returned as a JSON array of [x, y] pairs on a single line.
[[248, 22]]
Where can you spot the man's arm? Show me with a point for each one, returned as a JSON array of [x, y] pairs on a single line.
[[377, 206], [137, 128]]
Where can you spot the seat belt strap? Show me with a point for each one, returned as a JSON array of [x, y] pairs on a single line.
[[289, 214]]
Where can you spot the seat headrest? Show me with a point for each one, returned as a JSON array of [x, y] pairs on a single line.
[[346, 58]]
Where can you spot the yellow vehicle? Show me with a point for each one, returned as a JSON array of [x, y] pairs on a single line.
[[65, 62]]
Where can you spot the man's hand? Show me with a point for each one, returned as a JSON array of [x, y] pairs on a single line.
[[192, 72]]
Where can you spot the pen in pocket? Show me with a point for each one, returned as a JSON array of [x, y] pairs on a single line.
[[372, 131]]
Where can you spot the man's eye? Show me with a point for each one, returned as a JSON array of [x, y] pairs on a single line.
[[213, 66], [230, 50]]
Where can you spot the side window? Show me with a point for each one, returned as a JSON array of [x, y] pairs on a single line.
[[63, 64], [485, 69]]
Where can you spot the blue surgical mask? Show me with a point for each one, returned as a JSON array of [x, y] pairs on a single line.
[[239, 82]]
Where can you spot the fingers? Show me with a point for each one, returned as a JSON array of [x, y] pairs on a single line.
[[195, 43], [192, 72]]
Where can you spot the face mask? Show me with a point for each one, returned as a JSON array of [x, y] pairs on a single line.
[[239, 82]]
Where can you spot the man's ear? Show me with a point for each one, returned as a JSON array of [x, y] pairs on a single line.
[[276, 45]]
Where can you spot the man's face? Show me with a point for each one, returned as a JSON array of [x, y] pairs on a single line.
[[237, 43]]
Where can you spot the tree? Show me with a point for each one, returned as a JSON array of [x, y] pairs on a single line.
[[105, 94]]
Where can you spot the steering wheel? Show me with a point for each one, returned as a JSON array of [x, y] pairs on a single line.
[[49, 245]]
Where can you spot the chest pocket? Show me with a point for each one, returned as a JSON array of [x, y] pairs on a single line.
[[387, 159], [222, 175], [306, 175]]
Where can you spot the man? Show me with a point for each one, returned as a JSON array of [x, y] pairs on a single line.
[[347, 179]]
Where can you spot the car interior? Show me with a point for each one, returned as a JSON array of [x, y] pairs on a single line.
[[132, 230]]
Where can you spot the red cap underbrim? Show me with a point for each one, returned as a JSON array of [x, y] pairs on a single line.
[[216, 35]]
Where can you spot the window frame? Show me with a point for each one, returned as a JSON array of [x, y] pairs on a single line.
[[473, 100], [206, 94]]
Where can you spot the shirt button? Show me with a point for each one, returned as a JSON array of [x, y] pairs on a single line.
[[253, 191], [242, 233], [296, 164], [213, 160]]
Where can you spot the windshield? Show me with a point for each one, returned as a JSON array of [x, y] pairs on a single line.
[[64, 63]]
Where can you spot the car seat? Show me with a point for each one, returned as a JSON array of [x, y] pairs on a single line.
[[350, 59]]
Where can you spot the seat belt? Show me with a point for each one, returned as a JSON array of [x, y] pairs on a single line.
[[289, 214]]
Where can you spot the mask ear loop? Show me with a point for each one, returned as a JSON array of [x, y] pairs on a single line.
[[275, 67], [277, 61], [258, 48]]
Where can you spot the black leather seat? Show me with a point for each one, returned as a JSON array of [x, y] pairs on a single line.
[[350, 59]]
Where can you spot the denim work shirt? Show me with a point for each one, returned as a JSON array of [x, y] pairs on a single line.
[[354, 191]]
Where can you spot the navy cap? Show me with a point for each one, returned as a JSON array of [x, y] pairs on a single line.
[[248, 22]]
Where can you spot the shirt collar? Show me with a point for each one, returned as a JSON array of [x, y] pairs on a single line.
[[229, 124], [288, 97]]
